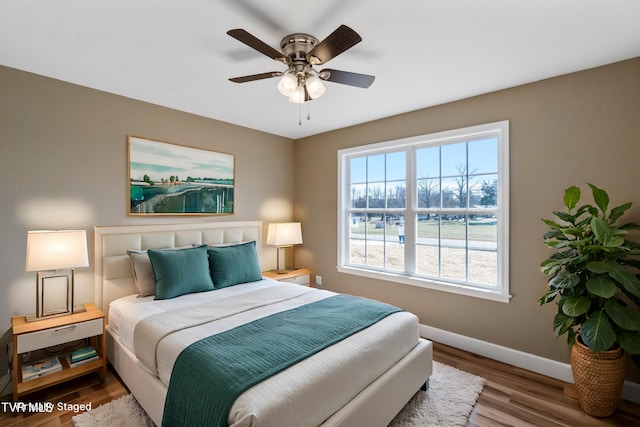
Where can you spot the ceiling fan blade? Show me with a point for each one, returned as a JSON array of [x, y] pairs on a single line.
[[337, 42], [257, 44], [347, 78], [253, 77]]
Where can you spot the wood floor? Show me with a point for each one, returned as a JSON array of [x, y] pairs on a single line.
[[511, 397]]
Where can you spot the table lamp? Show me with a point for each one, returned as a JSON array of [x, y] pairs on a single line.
[[49, 251], [284, 235]]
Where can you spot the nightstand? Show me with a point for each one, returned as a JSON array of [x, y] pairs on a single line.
[[301, 276], [43, 333]]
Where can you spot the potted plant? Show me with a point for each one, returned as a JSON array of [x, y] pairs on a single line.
[[592, 279]]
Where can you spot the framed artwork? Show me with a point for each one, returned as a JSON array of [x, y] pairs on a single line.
[[172, 179]]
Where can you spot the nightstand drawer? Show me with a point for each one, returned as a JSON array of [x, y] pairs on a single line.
[[60, 335], [299, 280]]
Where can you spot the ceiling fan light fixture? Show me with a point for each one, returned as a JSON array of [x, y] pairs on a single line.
[[298, 95], [315, 87], [288, 84]]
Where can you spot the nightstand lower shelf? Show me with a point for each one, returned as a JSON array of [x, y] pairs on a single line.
[[67, 373]]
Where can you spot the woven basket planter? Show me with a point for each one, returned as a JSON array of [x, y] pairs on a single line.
[[599, 378]]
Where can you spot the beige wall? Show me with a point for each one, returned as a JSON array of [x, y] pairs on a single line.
[[574, 129], [63, 164]]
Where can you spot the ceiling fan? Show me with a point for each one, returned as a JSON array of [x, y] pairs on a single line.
[[300, 52]]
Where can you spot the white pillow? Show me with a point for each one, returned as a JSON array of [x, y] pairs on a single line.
[[143, 274]]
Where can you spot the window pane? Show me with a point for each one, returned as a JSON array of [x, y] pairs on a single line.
[[358, 170], [454, 192], [376, 194], [454, 159], [454, 231], [357, 232], [483, 267], [483, 253], [428, 261], [483, 156], [359, 196], [396, 194], [394, 243], [427, 253], [357, 222], [488, 191], [483, 232], [428, 162], [357, 254], [454, 263], [396, 166], [428, 193]]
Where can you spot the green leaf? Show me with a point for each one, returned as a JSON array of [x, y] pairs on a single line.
[[617, 212], [564, 280], [565, 217], [630, 341], [602, 286], [621, 275], [553, 234], [562, 323], [622, 316], [597, 332], [598, 267], [604, 234], [571, 197], [576, 305], [601, 198], [549, 296], [551, 224]]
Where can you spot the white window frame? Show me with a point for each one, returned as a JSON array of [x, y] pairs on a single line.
[[500, 130]]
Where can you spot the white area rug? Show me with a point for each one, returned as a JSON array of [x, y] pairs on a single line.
[[450, 399], [124, 411], [448, 402]]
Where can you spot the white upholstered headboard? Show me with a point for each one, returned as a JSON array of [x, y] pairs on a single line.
[[113, 273]]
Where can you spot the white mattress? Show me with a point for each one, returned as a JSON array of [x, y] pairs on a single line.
[[337, 373]]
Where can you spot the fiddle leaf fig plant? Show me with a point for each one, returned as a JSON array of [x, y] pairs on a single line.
[[593, 274]]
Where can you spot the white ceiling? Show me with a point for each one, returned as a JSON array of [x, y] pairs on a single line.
[[422, 52]]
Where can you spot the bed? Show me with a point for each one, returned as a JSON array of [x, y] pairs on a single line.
[[362, 380]]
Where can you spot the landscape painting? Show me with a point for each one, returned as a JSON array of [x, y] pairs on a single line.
[[171, 179]]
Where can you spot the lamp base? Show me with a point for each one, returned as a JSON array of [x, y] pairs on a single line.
[[34, 317], [79, 308]]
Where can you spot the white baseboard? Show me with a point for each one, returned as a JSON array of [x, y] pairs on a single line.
[[530, 362]]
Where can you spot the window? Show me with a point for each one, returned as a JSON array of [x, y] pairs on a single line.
[[429, 211]]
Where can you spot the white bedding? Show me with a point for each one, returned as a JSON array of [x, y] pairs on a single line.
[[289, 398]]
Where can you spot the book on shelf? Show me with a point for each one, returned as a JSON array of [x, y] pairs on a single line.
[[82, 354], [80, 362], [40, 368]]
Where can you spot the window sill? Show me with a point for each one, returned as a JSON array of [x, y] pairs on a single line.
[[423, 283]]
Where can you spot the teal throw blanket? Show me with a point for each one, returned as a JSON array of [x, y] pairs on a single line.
[[210, 374]]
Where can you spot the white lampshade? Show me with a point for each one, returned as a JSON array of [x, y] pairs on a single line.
[[56, 250], [298, 96], [284, 234], [315, 87], [288, 84]]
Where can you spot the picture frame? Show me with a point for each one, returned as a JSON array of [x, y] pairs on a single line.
[[171, 179]]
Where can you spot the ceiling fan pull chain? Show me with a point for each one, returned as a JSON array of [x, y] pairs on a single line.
[[308, 108], [299, 114]]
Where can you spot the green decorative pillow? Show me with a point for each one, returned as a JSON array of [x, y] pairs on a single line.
[[232, 265], [180, 272]]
